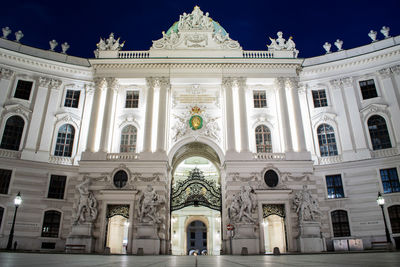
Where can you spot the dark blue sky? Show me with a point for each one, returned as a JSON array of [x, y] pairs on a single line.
[[311, 23]]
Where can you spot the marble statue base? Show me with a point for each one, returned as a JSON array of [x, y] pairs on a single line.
[[146, 241], [310, 237], [245, 240], [80, 240]]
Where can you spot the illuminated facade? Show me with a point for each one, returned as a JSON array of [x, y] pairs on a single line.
[[157, 151]]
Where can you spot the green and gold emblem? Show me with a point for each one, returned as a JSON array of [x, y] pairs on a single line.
[[196, 121]]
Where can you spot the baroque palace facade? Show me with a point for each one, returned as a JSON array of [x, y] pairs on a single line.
[[198, 146]]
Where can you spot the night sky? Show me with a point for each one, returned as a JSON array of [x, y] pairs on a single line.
[[311, 23]]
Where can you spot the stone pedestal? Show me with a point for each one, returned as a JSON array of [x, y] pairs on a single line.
[[146, 241], [80, 240], [310, 237], [245, 239]]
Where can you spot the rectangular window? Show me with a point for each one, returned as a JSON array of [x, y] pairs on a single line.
[[319, 98], [390, 180], [260, 99], [5, 177], [57, 186], [334, 186], [23, 90], [72, 98], [132, 99], [368, 89]]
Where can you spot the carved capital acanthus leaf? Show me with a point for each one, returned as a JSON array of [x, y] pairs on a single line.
[[385, 73], [6, 73]]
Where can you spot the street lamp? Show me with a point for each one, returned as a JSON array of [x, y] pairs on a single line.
[[17, 202], [381, 202]]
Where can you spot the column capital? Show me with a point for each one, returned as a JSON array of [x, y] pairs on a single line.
[[100, 83], [396, 69], [227, 82], [113, 84], [347, 81], [163, 82], [280, 82], [240, 83], [292, 82], [6, 73], [337, 83], [89, 88], [385, 73], [49, 83]]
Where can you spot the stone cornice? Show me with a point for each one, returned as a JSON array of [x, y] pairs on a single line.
[[330, 67], [50, 67]]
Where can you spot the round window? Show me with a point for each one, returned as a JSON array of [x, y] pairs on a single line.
[[271, 178], [120, 178]]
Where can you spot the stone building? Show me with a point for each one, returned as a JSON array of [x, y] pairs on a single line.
[[161, 151]]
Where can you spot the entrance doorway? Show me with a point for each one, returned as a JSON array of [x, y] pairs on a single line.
[[195, 201], [197, 238], [274, 228], [117, 228]]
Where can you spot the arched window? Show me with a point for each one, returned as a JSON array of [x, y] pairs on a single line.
[[340, 223], [128, 139], [12, 133], [394, 216], [51, 223], [65, 141], [379, 133], [326, 140], [263, 139]]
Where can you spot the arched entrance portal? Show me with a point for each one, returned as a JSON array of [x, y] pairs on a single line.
[[117, 228], [195, 201], [274, 228]]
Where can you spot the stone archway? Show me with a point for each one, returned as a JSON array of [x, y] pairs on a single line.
[[195, 195]]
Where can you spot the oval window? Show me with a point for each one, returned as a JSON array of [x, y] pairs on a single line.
[[120, 178], [271, 178]]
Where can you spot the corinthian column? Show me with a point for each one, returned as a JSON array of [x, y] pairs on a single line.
[[100, 84], [293, 87], [227, 84], [112, 88], [151, 83], [280, 84], [162, 113], [244, 133]]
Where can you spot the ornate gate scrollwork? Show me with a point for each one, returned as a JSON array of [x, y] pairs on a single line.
[[113, 210], [196, 190], [274, 209]]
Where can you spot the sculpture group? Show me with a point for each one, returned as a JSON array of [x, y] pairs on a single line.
[[242, 206], [149, 202], [306, 206]]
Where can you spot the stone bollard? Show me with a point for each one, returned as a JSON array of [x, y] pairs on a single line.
[[244, 251], [276, 251]]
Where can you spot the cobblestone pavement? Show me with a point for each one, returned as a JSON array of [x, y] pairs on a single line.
[[69, 260]]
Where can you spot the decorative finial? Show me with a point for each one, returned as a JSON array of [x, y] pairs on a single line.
[[339, 44], [18, 36], [64, 47], [327, 46], [372, 35], [53, 43], [6, 32], [385, 31]]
